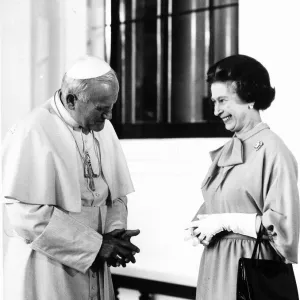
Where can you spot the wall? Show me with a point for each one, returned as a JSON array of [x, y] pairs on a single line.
[[167, 175], [40, 40], [15, 85], [269, 31], [16, 60]]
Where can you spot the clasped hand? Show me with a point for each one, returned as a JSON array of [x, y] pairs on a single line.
[[204, 229], [117, 249]]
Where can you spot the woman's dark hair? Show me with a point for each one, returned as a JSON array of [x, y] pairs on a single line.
[[251, 79]]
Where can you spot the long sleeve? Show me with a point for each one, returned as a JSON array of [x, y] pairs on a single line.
[[281, 206], [117, 215], [56, 234]]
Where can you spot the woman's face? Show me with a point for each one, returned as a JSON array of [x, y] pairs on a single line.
[[233, 111]]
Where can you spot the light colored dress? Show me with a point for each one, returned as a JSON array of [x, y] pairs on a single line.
[[52, 240], [252, 173]]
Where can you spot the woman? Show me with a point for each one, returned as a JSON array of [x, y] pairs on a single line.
[[252, 181]]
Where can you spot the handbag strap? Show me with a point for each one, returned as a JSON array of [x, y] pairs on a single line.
[[258, 242]]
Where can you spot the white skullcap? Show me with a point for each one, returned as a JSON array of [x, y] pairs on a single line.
[[88, 67]]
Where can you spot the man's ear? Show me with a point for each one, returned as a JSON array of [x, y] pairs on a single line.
[[70, 100]]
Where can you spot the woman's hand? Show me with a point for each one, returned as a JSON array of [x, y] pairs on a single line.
[[189, 235], [206, 227]]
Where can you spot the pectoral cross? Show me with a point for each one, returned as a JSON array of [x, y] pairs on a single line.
[[88, 171]]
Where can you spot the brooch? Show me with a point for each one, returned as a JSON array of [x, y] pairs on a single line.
[[258, 145]]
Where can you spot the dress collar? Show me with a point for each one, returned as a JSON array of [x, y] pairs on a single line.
[[256, 129], [232, 152]]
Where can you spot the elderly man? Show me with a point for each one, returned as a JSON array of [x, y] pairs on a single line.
[[65, 181]]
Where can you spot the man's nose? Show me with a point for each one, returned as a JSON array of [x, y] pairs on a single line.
[[107, 115], [217, 110]]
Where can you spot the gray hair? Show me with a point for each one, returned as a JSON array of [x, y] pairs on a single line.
[[79, 87]]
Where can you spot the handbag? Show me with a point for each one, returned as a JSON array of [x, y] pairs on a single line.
[[259, 279]]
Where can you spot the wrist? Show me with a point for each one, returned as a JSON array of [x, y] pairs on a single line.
[[242, 223]]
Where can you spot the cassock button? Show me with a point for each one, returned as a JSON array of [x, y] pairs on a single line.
[[94, 275], [93, 288]]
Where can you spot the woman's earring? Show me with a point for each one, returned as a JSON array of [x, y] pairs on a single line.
[[250, 106]]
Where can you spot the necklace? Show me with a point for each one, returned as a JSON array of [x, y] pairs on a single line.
[[87, 164], [85, 157]]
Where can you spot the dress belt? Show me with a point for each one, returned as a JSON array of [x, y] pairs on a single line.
[[236, 236]]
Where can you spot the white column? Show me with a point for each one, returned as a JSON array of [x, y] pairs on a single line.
[[16, 83], [15, 77], [96, 28], [59, 37], [75, 35]]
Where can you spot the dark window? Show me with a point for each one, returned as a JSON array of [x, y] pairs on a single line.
[[161, 50]]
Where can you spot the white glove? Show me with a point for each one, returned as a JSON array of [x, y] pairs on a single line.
[[209, 225]]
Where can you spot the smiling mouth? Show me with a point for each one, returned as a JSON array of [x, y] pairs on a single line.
[[226, 119]]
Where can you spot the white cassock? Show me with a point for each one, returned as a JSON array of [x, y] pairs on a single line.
[[56, 220]]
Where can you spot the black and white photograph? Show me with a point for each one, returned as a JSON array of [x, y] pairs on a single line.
[[149, 149]]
